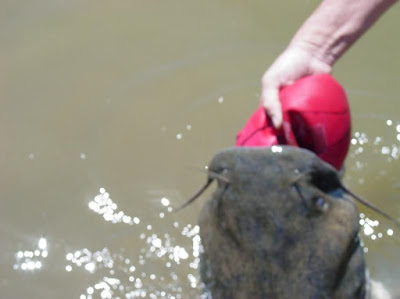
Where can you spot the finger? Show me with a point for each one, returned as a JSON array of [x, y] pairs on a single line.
[[270, 100]]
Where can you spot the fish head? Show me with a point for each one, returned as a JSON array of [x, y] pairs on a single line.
[[281, 213]]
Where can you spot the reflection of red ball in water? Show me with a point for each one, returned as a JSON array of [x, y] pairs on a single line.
[[316, 116]]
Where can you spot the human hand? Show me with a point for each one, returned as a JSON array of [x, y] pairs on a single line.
[[293, 64]]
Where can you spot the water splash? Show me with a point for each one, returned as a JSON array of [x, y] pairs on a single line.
[[372, 157], [32, 260], [162, 268], [103, 205]]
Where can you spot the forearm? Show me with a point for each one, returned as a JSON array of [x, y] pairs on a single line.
[[336, 25]]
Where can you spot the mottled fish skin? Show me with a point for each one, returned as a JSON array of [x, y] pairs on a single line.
[[280, 226]]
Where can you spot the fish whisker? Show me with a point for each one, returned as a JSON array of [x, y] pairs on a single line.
[[371, 206], [195, 196]]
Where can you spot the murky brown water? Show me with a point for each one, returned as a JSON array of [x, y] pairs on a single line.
[[108, 110]]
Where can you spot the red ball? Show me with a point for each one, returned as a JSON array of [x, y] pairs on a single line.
[[316, 116]]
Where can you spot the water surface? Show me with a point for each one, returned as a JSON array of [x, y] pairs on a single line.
[[110, 108]]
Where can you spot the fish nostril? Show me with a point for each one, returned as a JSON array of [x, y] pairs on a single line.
[[326, 181]]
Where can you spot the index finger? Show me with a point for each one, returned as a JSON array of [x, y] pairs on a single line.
[[272, 104]]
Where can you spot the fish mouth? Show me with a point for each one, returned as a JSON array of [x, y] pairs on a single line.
[[352, 248]]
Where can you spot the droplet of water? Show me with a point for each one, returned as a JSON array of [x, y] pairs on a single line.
[[276, 149], [90, 267], [368, 230], [165, 201]]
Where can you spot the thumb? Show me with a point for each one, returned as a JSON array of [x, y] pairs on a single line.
[[272, 104]]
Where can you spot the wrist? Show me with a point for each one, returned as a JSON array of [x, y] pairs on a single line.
[[313, 58], [336, 25], [318, 47]]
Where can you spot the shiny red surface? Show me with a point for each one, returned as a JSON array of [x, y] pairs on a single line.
[[316, 116]]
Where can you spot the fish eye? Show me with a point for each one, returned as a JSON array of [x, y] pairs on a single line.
[[321, 204]]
